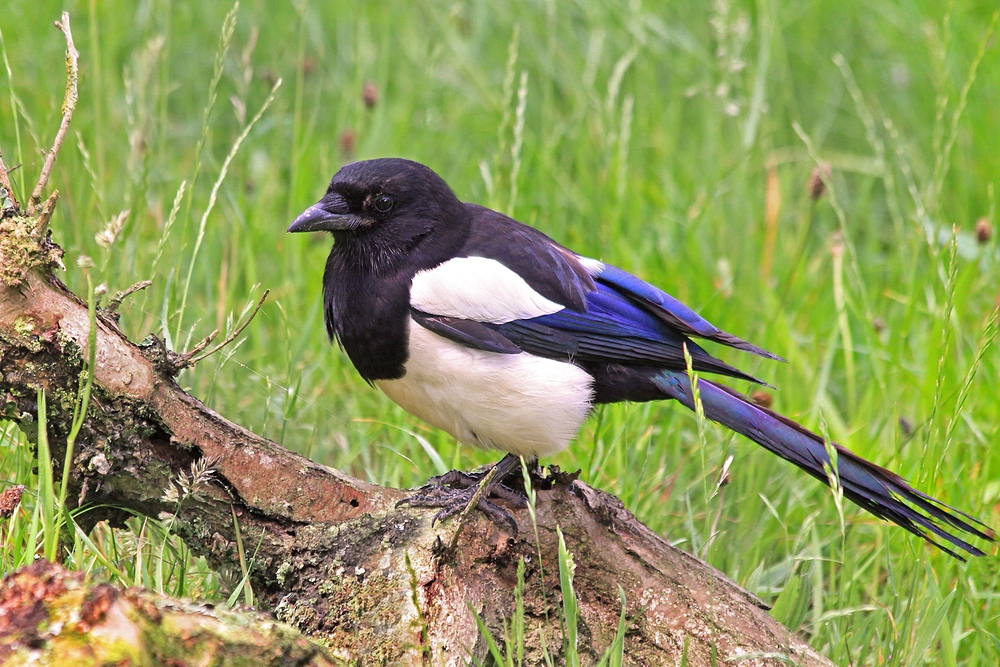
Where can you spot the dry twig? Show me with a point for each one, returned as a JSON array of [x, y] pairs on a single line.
[[69, 104], [117, 299], [189, 358]]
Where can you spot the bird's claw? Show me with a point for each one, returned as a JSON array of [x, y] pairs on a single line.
[[461, 500], [454, 491]]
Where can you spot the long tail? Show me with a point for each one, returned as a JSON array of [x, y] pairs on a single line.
[[882, 492]]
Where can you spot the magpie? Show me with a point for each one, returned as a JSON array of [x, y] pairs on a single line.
[[490, 330]]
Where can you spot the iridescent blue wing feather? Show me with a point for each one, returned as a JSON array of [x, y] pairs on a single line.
[[670, 310]]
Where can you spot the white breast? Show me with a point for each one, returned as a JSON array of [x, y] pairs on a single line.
[[518, 403]]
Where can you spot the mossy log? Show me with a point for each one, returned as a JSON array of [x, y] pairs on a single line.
[[49, 616]]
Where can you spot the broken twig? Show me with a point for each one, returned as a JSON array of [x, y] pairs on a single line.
[[189, 358], [117, 299], [69, 104]]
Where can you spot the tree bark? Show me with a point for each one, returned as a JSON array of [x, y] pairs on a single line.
[[49, 616], [336, 558]]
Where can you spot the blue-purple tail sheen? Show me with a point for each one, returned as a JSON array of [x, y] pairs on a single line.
[[878, 490]]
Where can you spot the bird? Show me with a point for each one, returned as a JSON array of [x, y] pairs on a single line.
[[490, 330]]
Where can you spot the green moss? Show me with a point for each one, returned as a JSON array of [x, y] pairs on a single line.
[[24, 326], [360, 607], [283, 571], [70, 349], [25, 335], [20, 251], [16, 250]]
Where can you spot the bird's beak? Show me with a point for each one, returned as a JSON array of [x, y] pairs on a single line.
[[329, 214]]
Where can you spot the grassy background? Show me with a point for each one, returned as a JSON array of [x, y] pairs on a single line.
[[675, 141]]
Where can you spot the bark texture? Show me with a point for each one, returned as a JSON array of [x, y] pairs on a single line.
[[337, 559], [52, 617]]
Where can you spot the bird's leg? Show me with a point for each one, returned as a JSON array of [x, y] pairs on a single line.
[[456, 491]]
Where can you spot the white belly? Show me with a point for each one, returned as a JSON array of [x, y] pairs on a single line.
[[518, 403]]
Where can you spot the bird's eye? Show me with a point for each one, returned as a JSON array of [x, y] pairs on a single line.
[[383, 204]]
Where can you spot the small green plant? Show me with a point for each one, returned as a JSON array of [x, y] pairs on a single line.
[[509, 650]]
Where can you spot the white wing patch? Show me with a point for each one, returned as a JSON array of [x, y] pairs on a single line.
[[594, 267], [480, 289]]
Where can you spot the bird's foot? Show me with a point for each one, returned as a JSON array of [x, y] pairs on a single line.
[[456, 480], [455, 501], [459, 492]]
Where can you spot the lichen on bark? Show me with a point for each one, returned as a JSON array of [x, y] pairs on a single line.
[[51, 616], [21, 250]]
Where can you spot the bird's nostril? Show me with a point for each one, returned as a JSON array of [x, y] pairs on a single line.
[[333, 202]]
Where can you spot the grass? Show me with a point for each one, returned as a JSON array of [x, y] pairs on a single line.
[[675, 141]]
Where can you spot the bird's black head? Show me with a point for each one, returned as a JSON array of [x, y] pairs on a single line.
[[390, 218], [388, 196]]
